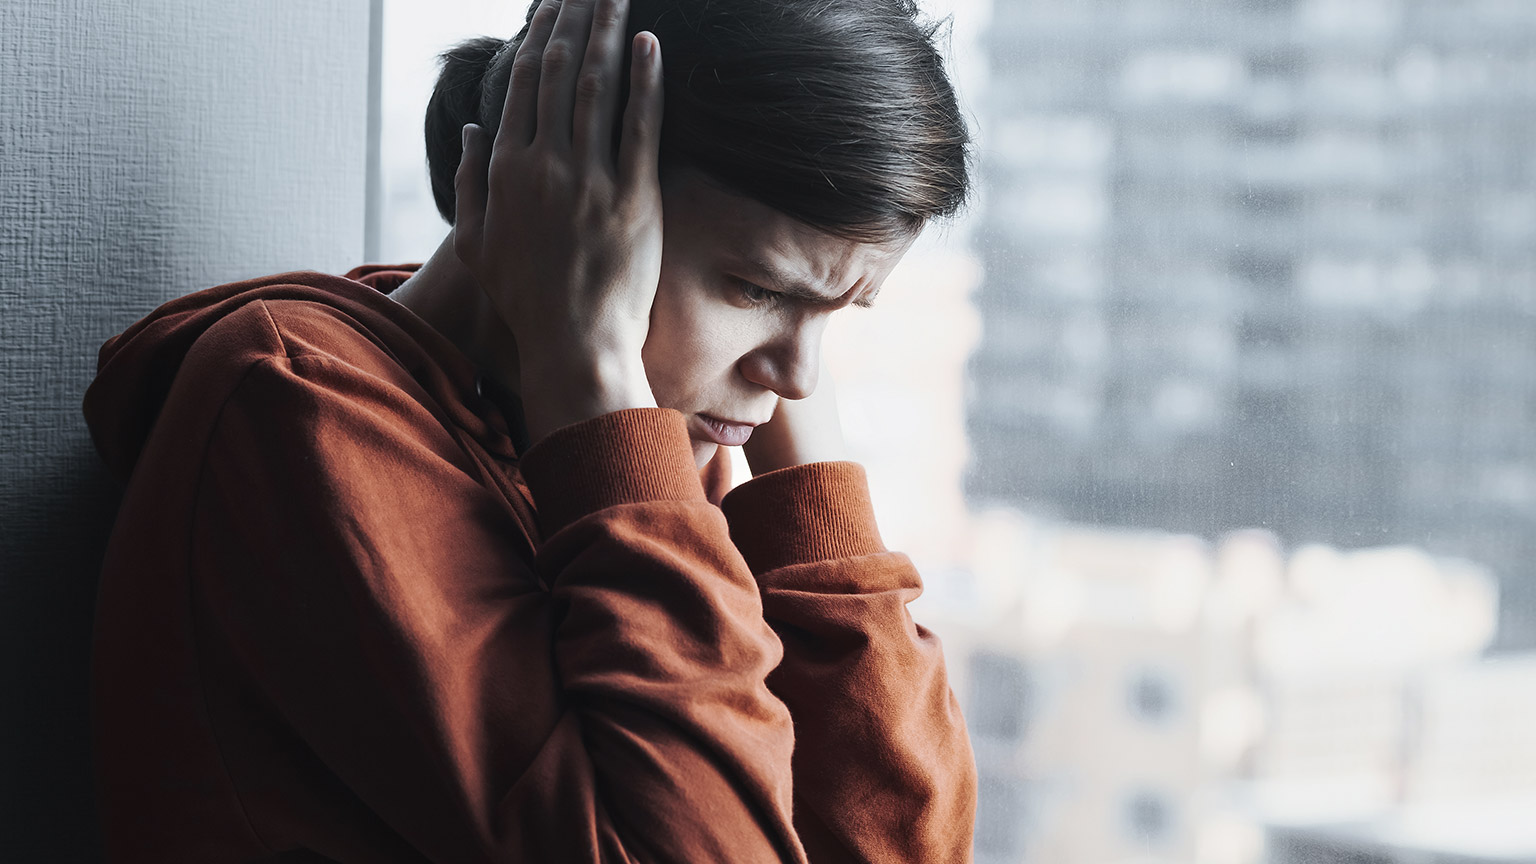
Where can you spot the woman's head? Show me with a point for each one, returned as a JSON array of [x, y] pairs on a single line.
[[805, 143], [837, 113]]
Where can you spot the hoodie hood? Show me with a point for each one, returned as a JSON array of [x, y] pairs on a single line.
[[136, 368]]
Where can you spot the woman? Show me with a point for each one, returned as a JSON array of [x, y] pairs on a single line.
[[438, 565]]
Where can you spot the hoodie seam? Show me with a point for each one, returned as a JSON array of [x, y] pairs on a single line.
[[292, 352], [490, 444], [282, 344], [192, 589]]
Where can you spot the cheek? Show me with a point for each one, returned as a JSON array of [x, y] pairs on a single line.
[[684, 351]]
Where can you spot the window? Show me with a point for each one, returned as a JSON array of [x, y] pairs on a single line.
[[1149, 817], [999, 697], [1000, 818], [1153, 697]]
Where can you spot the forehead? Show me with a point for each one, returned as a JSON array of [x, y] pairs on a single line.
[[701, 218]]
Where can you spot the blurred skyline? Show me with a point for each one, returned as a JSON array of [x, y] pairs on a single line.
[[1266, 263], [1256, 264]]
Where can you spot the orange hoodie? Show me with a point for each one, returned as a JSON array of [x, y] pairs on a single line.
[[343, 618]]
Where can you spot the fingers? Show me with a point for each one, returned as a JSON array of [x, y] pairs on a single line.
[[470, 193], [597, 88], [562, 64], [639, 148], [519, 109]]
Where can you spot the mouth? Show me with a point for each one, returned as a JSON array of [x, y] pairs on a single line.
[[725, 432]]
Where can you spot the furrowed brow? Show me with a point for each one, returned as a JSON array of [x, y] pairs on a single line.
[[798, 289]]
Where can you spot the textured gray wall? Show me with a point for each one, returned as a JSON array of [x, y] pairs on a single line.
[[148, 148]]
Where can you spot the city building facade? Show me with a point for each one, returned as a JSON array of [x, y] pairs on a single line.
[[1266, 263]]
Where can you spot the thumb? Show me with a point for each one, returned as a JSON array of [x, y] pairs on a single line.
[[640, 142], [470, 188]]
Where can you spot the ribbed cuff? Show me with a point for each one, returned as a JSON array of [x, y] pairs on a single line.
[[626, 457], [803, 514]]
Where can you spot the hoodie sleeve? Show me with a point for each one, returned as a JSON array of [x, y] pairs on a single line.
[[883, 769], [608, 704]]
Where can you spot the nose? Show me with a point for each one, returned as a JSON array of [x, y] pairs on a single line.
[[787, 365]]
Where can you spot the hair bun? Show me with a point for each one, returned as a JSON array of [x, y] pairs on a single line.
[[455, 102]]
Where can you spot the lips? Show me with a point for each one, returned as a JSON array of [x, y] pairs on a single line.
[[724, 432]]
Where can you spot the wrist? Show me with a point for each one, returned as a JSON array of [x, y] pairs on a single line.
[[801, 432], [774, 446], [558, 396]]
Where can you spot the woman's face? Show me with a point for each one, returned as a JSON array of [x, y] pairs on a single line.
[[744, 297]]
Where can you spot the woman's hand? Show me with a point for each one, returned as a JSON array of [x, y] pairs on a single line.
[[802, 431], [560, 232]]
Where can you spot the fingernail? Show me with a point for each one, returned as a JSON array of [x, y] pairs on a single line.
[[464, 137], [645, 46]]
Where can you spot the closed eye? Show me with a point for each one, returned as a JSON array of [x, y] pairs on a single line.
[[756, 294]]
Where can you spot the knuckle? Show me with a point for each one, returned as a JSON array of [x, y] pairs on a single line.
[[591, 86], [558, 57], [609, 15], [628, 202], [623, 206], [526, 65], [593, 185], [549, 178], [496, 175]]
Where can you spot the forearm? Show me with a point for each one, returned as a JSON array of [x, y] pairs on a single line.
[[883, 767]]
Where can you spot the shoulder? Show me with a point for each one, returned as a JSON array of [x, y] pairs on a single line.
[[309, 344], [343, 328], [314, 384], [300, 354], [272, 325], [287, 359]]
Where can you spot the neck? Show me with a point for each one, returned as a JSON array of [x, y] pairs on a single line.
[[443, 294]]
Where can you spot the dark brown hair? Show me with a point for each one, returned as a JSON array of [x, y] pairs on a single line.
[[837, 113]]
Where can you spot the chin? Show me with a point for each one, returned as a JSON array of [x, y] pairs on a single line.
[[703, 451]]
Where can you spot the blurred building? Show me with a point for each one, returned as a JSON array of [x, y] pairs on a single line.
[[1144, 696], [1487, 833], [1265, 263], [1470, 784]]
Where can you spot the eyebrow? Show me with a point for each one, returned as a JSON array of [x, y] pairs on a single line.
[[798, 289]]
